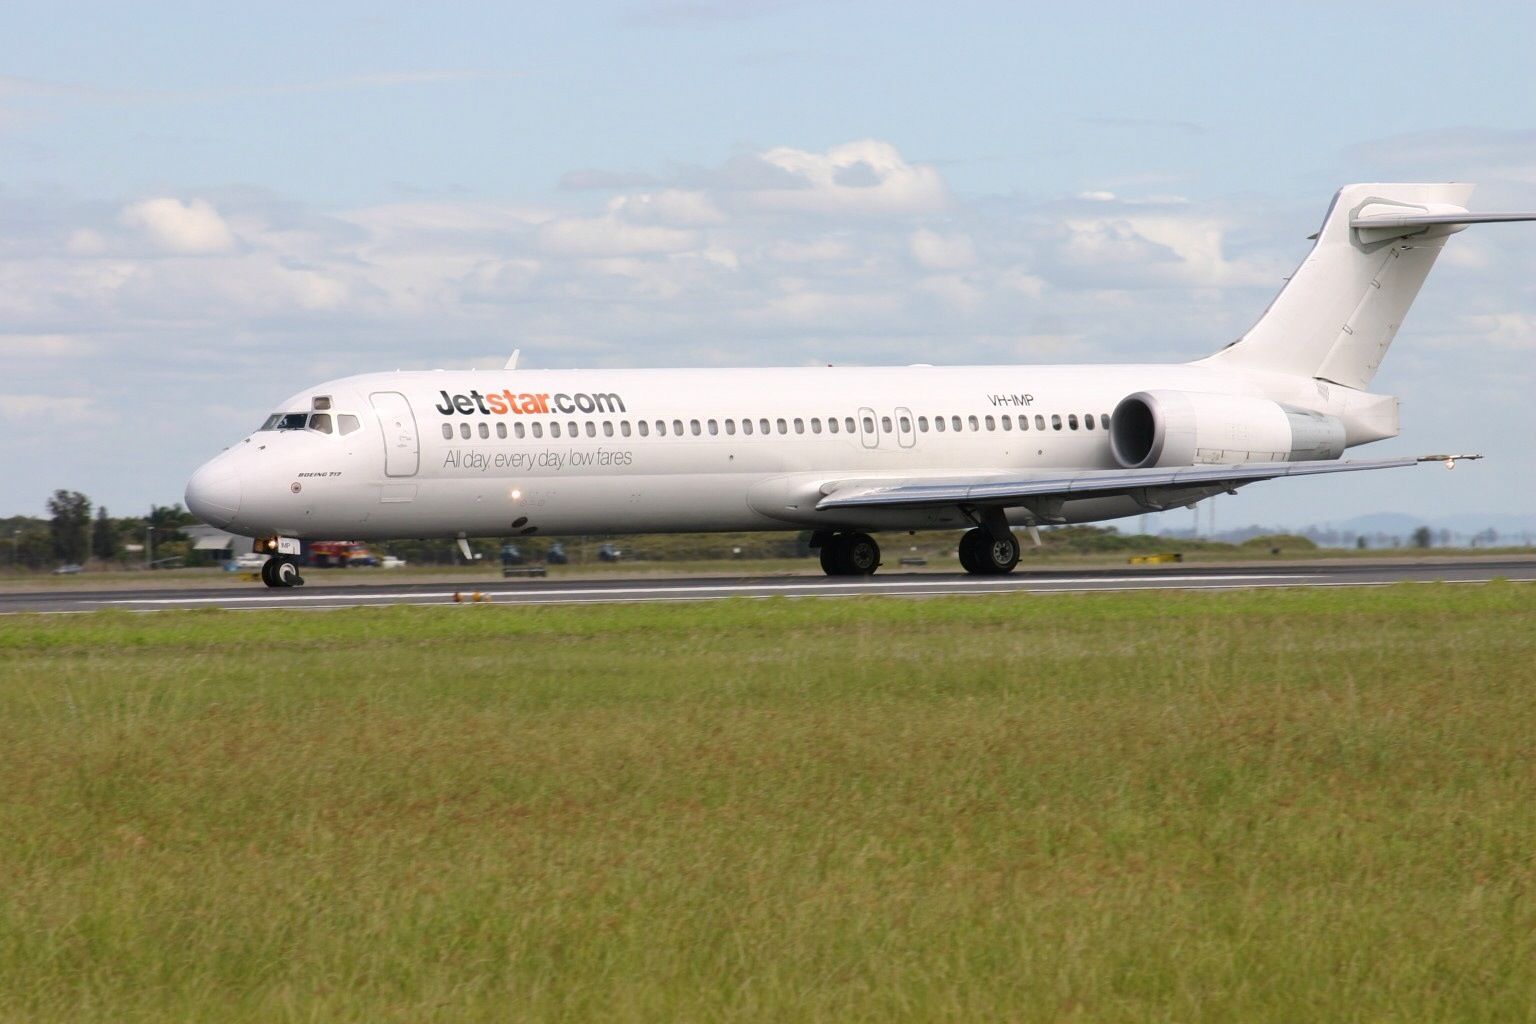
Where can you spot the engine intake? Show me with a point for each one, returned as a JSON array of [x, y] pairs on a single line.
[[1186, 428]]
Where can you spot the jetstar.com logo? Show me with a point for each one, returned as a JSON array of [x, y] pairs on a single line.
[[502, 403]]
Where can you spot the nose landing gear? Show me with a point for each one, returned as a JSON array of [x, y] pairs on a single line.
[[281, 571]]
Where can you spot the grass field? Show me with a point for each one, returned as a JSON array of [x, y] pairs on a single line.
[[1263, 806]]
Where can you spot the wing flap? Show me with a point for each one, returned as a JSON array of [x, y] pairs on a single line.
[[1005, 491]]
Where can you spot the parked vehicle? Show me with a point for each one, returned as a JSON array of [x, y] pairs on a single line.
[[251, 560], [391, 562], [609, 553], [556, 554], [68, 570], [511, 554], [339, 554]]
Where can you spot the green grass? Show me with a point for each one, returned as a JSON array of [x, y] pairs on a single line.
[[1261, 806]]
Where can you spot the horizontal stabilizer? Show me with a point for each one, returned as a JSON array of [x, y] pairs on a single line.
[[1001, 491], [1411, 220]]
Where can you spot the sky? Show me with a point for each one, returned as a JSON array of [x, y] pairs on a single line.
[[206, 207]]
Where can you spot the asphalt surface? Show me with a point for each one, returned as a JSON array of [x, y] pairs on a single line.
[[636, 589]]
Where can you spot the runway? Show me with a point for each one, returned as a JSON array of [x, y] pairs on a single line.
[[638, 589]]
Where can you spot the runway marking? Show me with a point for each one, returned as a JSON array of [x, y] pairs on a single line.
[[882, 586]]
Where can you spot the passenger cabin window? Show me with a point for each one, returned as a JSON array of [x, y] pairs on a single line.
[[554, 430], [1104, 420], [799, 425], [991, 423], [677, 427], [693, 427], [645, 428], [714, 428], [464, 431], [730, 427], [783, 426], [922, 424], [624, 427], [849, 426], [746, 426], [763, 427], [869, 424], [885, 424], [447, 431], [592, 429], [574, 431], [1039, 422], [973, 422], [1055, 421], [954, 422], [501, 431], [518, 430], [1072, 420], [1007, 422], [485, 431], [538, 429], [831, 424], [938, 424], [1088, 421]]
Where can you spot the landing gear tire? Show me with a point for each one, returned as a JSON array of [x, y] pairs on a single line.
[[831, 550], [280, 572], [850, 554], [984, 555], [287, 574], [861, 555]]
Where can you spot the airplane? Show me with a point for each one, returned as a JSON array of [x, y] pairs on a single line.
[[847, 452]]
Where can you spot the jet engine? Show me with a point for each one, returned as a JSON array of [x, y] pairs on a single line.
[[1159, 429]]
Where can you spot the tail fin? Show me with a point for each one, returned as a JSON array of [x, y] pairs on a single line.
[[1338, 313]]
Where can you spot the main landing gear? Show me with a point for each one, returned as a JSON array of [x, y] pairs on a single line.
[[983, 554], [279, 571], [849, 554]]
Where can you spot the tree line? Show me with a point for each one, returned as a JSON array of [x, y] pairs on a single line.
[[75, 532]]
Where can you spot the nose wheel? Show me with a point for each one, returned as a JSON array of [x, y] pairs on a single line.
[[279, 571]]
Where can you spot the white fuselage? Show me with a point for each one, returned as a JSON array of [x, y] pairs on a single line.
[[518, 452]]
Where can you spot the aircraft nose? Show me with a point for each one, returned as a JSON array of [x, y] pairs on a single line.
[[213, 493]]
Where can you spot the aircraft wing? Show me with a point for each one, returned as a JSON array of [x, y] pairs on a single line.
[[1002, 491]]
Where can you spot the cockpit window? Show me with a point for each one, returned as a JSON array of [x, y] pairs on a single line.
[[320, 421], [322, 403], [346, 423], [289, 421]]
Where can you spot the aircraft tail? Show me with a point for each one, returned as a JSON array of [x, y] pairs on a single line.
[[1340, 310]]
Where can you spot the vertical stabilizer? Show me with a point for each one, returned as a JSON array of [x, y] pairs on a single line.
[[1338, 313]]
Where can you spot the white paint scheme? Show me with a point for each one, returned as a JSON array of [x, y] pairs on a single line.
[[1292, 388]]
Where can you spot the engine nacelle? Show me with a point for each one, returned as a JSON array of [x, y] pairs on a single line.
[[1188, 428]]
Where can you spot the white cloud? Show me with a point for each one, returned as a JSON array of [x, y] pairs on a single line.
[[188, 228], [941, 252], [610, 235], [864, 178]]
